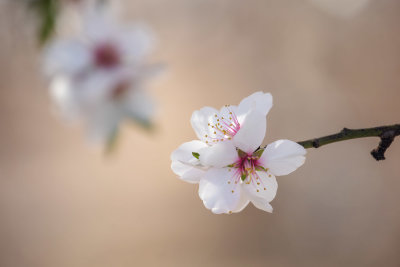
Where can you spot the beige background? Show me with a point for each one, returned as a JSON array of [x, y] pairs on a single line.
[[63, 203]]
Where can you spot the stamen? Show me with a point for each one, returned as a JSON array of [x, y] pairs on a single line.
[[223, 129]]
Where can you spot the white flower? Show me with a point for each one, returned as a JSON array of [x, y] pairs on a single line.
[[97, 75], [227, 161]]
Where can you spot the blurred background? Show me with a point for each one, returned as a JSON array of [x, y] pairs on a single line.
[[328, 64]]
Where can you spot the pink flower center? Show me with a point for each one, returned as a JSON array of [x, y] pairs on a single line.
[[245, 169], [106, 55], [222, 128]]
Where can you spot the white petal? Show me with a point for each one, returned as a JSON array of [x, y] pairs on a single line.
[[98, 24], [103, 122], [283, 157], [61, 93], [135, 43], [184, 152], [259, 101], [243, 202], [66, 57], [184, 164], [219, 155], [139, 105], [252, 132], [97, 86], [216, 191], [267, 188], [225, 111], [187, 172], [262, 205], [200, 119]]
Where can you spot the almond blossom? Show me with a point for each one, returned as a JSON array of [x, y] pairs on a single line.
[[228, 163], [97, 75]]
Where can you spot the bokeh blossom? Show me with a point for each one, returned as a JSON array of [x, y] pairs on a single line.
[[97, 75], [228, 162]]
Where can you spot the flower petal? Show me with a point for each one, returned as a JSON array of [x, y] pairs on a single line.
[[187, 172], [261, 191], [243, 202], [62, 95], [67, 57], [102, 122], [200, 120], [218, 191], [135, 43], [139, 106], [260, 101], [219, 155], [262, 205], [283, 157], [184, 152], [98, 24], [252, 132], [185, 165]]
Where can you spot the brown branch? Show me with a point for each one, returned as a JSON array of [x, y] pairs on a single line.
[[385, 133]]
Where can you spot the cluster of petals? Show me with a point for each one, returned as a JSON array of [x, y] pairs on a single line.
[[97, 74], [228, 162]]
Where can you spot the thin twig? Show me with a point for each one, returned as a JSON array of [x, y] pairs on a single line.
[[385, 133]]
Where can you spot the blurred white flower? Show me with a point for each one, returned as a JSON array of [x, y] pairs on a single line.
[[97, 75], [227, 161]]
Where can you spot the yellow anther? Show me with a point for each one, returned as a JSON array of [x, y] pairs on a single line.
[[258, 190], [230, 212], [215, 132], [258, 183], [269, 175], [265, 188], [229, 182], [215, 115], [233, 191]]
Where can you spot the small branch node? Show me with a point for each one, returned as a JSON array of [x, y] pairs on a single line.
[[385, 133], [386, 140], [345, 131], [315, 143]]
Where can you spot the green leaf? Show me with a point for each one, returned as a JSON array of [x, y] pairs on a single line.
[[47, 11], [241, 153], [196, 155], [258, 152]]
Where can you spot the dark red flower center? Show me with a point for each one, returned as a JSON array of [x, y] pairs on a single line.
[[106, 55]]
